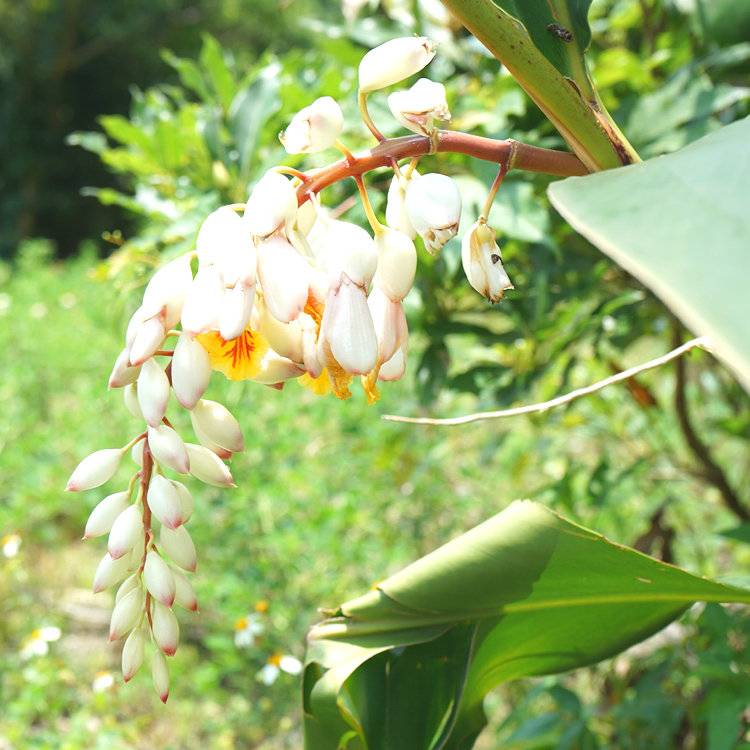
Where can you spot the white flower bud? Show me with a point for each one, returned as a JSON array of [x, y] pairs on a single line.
[[110, 571], [272, 206], [418, 108], [191, 370], [184, 593], [348, 328], [275, 369], [165, 628], [149, 337], [314, 128], [224, 240], [397, 263], [167, 289], [164, 501], [95, 470], [236, 308], [393, 61], [130, 397], [104, 514], [433, 204], [351, 251], [168, 449], [483, 263], [395, 209], [130, 583], [136, 453], [284, 278], [160, 674], [395, 367], [208, 467], [153, 392], [390, 323], [127, 532], [306, 217], [186, 499], [126, 613], [179, 547], [217, 424], [202, 307], [132, 654], [122, 373], [284, 338], [158, 578]]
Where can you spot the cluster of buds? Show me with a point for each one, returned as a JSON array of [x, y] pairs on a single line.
[[275, 290]]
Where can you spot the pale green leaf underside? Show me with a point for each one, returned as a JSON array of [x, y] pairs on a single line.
[[681, 225]]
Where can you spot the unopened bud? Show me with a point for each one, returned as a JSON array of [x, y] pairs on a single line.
[[191, 371], [153, 392], [160, 674], [186, 500], [433, 204], [104, 514], [395, 208], [393, 61], [165, 628], [217, 425], [126, 613], [132, 653], [314, 128], [184, 593], [397, 263], [127, 531], [109, 572], [168, 449], [122, 373], [95, 470], [272, 206], [164, 501], [284, 277], [419, 107], [202, 307], [208, 467], [167, 289], [158, 578], [179, 547], [130, 396], [351, 251], [483, 263]]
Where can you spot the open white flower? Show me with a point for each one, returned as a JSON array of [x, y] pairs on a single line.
[[314, 128], [483, 263], [418, 107], [276, 664]]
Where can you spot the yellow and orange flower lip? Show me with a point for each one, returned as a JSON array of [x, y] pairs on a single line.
[[238, 359]]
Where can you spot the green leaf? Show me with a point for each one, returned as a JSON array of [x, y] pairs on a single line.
[[680, 224], [526, 593]]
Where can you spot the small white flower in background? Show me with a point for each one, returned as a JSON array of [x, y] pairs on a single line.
[[247, 629], [433, 205], [11, 544], [37, 644], [103, 681], [483, 263], [314, 128], [418, 107], [393, 61], [276, 664]]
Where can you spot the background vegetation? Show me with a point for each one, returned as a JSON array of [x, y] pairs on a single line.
[[331, 498]]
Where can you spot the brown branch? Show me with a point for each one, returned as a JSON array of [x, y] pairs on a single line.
[[712, 472]]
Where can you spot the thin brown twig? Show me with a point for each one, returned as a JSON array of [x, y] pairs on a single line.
[[702, 342]]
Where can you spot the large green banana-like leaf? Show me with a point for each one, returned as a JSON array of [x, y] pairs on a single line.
[[542, 44], [407, 666], [681, 225]]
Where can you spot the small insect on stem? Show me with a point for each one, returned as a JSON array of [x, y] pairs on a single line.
[[560, 31]]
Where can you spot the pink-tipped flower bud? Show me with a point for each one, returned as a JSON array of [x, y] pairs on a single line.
[[164, 501], [397, 263], [433, 204], [132, 653], [179, 547], [130, 583], [122, 373], [184, 593], [95, 470], [104, 514], [347, 327], [208, 467], [127, 532], [284, 278], [483, 263], [158, 578], [215, 422], [351, 251], [130, 397], [168, 449], [109, 572], [153, 392], [419, 107], [191, 371], [165, 628], [393, 61], [314, 128], [160, 675], [395, 367], [186, 500], [126, 614], [272, 206], [149, 336], [167, 289]]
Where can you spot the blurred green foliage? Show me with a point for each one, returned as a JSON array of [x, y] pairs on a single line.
[[325, 505]]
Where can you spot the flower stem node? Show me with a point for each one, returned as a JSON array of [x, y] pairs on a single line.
[[394, 61], [483, 263], [314, 128]]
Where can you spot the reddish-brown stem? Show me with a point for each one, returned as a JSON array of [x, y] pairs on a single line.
[[513, 154]]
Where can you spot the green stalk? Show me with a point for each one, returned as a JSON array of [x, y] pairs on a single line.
[[584, 123]]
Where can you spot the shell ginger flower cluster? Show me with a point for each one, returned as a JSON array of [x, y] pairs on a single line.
[[275, 290]]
